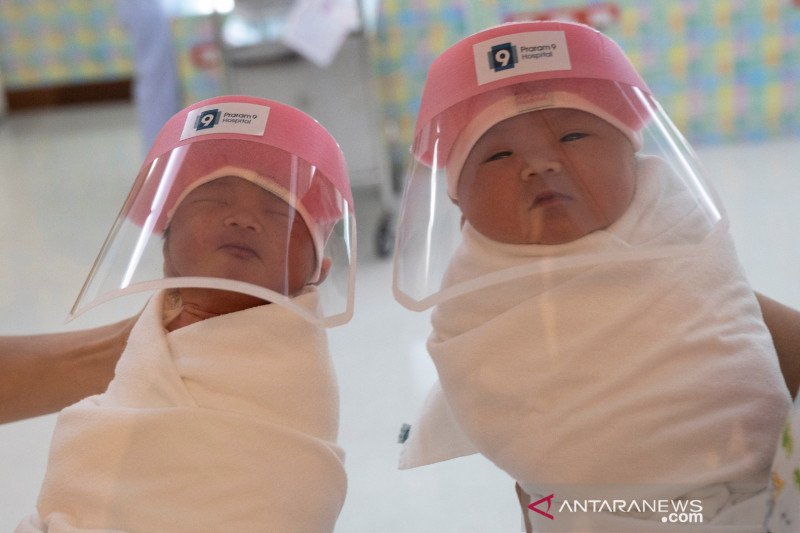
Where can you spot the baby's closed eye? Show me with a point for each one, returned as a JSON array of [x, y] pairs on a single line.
[[209, 201], [278, 213], [499, 155]]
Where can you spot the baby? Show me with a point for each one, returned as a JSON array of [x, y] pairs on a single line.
[[223, 412], [593, 334]]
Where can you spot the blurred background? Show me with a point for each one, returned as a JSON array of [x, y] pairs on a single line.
[[84, 84]]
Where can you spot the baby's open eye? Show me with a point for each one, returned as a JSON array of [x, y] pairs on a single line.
[[573, 136], [499, 155]]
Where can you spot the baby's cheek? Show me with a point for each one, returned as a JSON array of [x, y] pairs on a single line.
[[188, 247]]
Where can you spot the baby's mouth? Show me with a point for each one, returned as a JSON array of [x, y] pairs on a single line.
[[240, 250], [546, 198]]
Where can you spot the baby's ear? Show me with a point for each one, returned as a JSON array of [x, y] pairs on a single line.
[[324, 268]]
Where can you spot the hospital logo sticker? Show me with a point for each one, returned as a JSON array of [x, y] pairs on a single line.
[[520, 53], [240, 118]]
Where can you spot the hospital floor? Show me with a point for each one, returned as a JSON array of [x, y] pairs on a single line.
[[64, 174]]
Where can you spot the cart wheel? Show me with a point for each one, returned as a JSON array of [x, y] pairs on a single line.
[[384, 238]]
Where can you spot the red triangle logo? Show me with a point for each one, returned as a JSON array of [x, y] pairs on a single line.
[[549, 501]]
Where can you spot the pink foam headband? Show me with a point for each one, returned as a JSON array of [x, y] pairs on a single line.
[[268, 137]]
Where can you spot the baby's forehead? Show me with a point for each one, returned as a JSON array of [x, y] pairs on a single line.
[[541, 124], [227, 183], [231, 185], [549, 118]]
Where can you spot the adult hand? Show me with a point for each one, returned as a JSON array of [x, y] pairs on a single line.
[[41, 374]]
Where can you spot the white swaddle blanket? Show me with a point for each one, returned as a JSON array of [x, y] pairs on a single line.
[[228, 424], [645, 379]]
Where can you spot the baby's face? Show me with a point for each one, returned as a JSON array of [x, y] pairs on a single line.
[[547, 177], [231, 228]]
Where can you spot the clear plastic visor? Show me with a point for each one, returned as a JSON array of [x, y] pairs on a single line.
[[526, 180], [262, 228]]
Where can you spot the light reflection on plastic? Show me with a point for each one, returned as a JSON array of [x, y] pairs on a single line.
[[156, 208], [432, 210]]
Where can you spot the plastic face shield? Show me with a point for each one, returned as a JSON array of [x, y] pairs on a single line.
[[543, 176], [234, 215]]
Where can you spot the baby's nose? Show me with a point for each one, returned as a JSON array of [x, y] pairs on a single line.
[[244, 218], [540, 165]]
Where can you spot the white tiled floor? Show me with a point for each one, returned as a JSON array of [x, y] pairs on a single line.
[[63, 176]]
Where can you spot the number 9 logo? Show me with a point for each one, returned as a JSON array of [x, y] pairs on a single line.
[[207, 119], [502, 57]]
